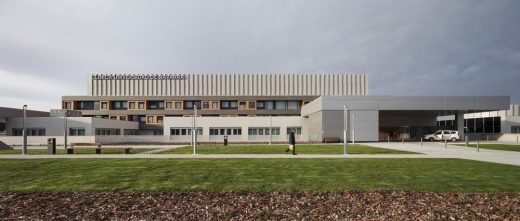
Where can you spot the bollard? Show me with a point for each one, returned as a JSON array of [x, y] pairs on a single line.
[[517, 139], [421, 142], [445, 144], [388, 139], [467, 140], [478, 145]]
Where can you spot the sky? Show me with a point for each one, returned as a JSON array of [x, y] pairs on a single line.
[[430, 47]]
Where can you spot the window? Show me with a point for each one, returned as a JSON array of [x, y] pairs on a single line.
[[104, 105], [260, 105], [113, 117], [293, 105], [214, 105], [141, 105], [155, 105], [269, 105], [122, 117], [169, 105], [252, 105], [229, 104], [515, 129], [67, 105], [188, 105], [280, 105], [160, 119], [178, 105], [77, 131], [119, 105], [30, 132], [142, 119], [132, 105], [150, 120], [297, 130], [183, 131], [88, 105], [242, 105], [264, 131], [205, 105]]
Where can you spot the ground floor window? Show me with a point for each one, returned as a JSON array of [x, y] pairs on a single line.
[[225, 131], [77, 131], [297, 130], [107, 131], [263, 131], [30, 132], [515, 129], [183, 131]]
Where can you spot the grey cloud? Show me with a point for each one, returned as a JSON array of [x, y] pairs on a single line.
[[407, 47]]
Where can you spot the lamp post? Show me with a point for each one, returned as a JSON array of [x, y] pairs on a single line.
[[270, 129], [24, 149], [352, 129], [345, 120], [65, 133], [194, 130]]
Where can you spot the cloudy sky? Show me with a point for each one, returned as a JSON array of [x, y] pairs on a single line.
[[431, 47]]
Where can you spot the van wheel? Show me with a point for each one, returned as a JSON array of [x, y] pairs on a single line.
[[431, 139], [453, 139]]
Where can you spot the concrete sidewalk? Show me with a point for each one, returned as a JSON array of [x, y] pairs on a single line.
[[438, 150], [428, 150]]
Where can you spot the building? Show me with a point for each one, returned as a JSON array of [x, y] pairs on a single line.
[[6, 113], [503, 121], [266, 106]]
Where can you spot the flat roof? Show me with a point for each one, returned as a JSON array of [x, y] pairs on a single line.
[[474, 103]]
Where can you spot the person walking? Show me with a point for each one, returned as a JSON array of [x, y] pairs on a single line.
[[292, 143]]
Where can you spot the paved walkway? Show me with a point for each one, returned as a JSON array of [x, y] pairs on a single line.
[[427, 150], [438, 150]]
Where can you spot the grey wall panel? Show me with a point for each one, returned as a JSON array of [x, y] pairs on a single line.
[[233, 84]]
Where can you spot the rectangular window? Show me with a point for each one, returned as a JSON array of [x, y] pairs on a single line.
[[252, 105], [104, 105], [229, 105], [141, 105], [293, 105], [297, 130], [280, 105], [132, 105], [242, 105], [169, 105], [150, 120], [260, 105], [77, 131], [269, 105], [160, 119], [122, 117], [67, 105], [178, 105], [214, 105], [205, 105]]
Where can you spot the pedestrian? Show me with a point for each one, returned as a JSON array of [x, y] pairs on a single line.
[[292, 143]]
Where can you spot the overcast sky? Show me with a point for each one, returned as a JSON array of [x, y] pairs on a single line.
[[435, 47]]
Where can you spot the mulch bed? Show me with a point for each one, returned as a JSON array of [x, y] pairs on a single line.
[[351, 205]]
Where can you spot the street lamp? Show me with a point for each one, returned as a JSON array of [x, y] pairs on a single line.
[[345, 120], [24, 149], [65, 128], [194, 130], [270, 128]]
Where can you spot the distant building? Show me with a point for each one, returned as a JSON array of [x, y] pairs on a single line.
[[263, 107]]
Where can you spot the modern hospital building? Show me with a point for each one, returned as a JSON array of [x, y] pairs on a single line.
[[259, 108]]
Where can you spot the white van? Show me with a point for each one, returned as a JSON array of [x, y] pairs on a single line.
[[452, 135]]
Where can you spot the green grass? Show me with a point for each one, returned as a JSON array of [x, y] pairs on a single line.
[[77, 151], [438, 175], [508, 147], [280, 149]]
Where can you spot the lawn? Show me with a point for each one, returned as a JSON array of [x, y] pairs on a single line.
[[508, 147], [77, 151], [438, 175], [280, 149]]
